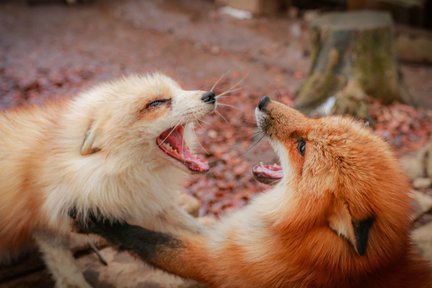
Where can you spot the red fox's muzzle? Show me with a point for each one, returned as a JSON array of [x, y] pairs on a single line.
[[279, 121], [285, 126]]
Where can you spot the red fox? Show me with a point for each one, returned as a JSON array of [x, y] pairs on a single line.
[[339, 216], [123, 148]]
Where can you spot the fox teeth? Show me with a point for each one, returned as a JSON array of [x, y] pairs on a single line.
[[169, 147]]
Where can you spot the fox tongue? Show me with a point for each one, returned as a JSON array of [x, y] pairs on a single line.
[[181, 151], [193, 162], [268, 174]]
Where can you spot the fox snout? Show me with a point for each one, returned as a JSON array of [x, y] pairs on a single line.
[[262, 105], [209, 97], [279, 121], [195, 104]]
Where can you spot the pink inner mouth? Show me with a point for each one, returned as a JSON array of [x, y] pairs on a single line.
[[172, 143], [268, 174]]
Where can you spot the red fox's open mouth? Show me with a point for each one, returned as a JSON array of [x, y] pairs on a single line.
[[268, 174], [172, 143]]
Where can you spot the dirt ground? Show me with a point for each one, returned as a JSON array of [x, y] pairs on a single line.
[[52, 50]]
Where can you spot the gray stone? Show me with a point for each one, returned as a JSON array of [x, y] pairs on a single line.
[[422, 183], [421, 203], [423, 238], [412, 163], [414, 49]]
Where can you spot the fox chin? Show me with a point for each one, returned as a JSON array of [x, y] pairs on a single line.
[[339, 216], [121, 149]]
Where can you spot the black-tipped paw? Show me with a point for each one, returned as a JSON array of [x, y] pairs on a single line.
[[93, 223]]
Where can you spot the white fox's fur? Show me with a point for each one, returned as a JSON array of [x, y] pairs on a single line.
[[96, 151]]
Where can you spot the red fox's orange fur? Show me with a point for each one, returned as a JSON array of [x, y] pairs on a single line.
[[340, 217]]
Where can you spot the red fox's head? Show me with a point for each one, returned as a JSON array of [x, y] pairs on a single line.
[[346, 190]]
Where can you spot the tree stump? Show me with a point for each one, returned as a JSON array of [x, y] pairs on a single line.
[[353, 59]]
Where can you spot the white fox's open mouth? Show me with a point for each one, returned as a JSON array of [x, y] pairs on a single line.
[[268, 174], [172, 143]]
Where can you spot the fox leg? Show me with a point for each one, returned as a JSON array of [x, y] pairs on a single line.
[[184, 256], [177, 219], [187, 202], [60, 261]]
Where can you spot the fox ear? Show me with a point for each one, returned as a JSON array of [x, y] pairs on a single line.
[[91, 142], [361, 232], [356, 232]]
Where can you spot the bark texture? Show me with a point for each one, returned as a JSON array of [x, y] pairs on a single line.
[[353, 59]]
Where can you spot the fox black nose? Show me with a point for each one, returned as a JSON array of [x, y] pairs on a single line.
[[209, 97], [263, 103]]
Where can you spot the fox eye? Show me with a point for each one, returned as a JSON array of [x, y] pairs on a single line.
[[301, 146], [156, 103]]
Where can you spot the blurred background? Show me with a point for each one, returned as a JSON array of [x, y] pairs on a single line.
[[52, 49]]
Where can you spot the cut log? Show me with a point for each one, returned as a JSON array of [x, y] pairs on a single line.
[[352, 56]]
